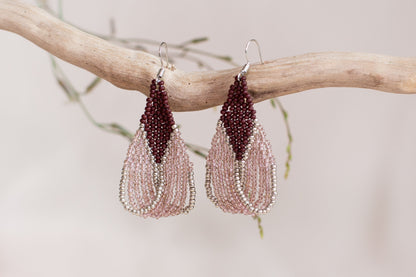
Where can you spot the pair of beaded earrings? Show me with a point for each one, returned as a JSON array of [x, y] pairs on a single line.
[[157, 176]]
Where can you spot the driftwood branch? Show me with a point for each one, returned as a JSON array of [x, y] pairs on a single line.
[[133, 70]]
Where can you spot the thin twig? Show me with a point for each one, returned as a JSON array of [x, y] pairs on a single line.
[[273, 101]]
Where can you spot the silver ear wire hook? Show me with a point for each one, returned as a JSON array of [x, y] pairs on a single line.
[[246, 67], [162, 67], [258, 48]]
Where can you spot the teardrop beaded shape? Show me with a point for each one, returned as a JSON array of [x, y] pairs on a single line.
[[157, 177], [240, 169]]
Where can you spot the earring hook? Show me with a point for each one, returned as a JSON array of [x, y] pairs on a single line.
[[162, 67], [246, 67], [258, 49]]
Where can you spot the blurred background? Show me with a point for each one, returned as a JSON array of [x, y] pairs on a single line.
[[347, 208]]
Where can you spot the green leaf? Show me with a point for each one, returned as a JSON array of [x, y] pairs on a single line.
[[225, 58], [198, 150], [117, 128], [273, 103], [92, 85], [199, 153], [199, 40], [63, 81], [261, 231]]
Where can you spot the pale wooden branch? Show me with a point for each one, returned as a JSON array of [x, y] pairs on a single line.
[[133, 70]]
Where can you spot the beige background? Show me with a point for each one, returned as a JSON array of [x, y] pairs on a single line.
[[348, 208]]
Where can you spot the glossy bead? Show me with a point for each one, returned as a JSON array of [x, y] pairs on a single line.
[[238, 115], [157, 120]]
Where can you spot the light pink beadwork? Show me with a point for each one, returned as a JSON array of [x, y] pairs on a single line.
[[247, 186], [151, 189]]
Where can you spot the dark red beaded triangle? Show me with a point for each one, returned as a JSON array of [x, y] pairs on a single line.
[[158, 120], [238, 116]]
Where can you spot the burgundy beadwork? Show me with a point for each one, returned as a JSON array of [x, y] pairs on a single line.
[[238, 116], [158, 120]]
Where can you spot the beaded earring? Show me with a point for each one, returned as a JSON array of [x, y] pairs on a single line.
[[240, 168], [157, 177]]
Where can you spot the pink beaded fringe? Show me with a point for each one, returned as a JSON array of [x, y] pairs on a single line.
[[157, 190], [157, 177], [241, 169], [247, 186]]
